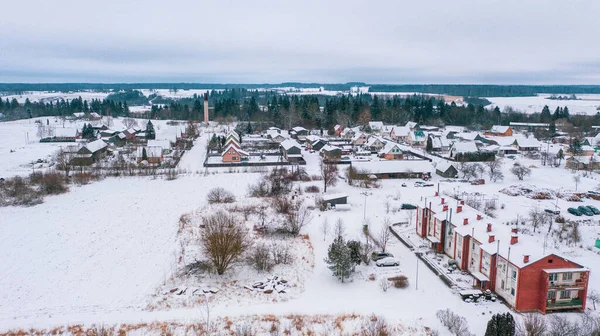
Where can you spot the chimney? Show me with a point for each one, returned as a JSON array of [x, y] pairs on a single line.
[[479, 217], [525, 259], [462, 202], [459, 209], [515, 230], [437, 194], [465, 221], [491, 238], [489, 227], [206, 108], [445, 207], [443, 200], [514, 239]]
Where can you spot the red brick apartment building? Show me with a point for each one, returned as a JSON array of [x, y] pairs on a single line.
[[501, 260]]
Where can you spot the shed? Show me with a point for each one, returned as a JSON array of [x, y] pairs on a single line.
[[335, 199], [446, 169]]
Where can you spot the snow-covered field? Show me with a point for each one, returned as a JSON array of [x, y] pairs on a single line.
[[100, 253], [588, 103], [47, 96]]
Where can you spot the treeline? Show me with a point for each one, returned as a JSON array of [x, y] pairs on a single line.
[[449, 89], [12, 109]]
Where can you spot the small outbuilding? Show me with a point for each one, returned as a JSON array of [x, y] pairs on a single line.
[[335, 199], [446, 169]]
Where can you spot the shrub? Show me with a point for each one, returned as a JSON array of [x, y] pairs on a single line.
[[281, 253], [260, 258], [220, 195], [375, 326], [224, 240], [384, 284], [455, 323], [400, 281], [36, 177], [53, 183], [82, 178], [19, 192], [283, 204], [312, 189]]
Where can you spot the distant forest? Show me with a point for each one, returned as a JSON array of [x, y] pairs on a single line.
[[449, 89], [311, 111]]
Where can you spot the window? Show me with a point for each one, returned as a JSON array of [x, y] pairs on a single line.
[[502, 284], [553, 277], [567, 276], [234, 158], [566, 294], [514, 274], [549, 261], [512, 291], [551, 295], [459, 254]]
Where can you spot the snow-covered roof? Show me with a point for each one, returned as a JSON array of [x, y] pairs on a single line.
[[443, 166], [357, 135], [299, 129], [458, 129], [396, 166], [388, 148], [239, 151], [337, 127], [79, 114], [347, 130], [121, 135], [376, 125], [289, 143], [312, 138], [527, 142], [387, 128], [499, 129], [464, 147], [374, 140], [151, 151], [411, 124], [502, 140], [401, 131], [468, 135], [563, 270], [96, 145], [164, 144], [95, 115], [329, 197], [329, 148]]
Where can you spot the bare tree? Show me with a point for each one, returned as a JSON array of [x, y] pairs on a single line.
[[533, 324], [388, 206], [384, 235], [325, 228], [537, 217], [576, 179], [220, 195], [108, 120], [594, 296], [562, 326], [495, 170], [63, 161], [470, 170], [520, 171], [129, 123], [329, 173], [224, 240], [297, 219]]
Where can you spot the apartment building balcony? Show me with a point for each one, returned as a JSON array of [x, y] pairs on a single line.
[[564, 304]]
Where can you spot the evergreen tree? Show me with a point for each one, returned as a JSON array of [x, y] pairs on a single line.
[[249, 129], [339, 259], [560, 156], [545, 116], [557, 114], [552, 128], [354, 246], [150, 133], [429, 146], [144, 154], [501, 325], [565, 113], [575, 147]]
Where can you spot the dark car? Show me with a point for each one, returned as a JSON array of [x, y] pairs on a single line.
[[554, 212], [574, 211], [380, 255], [407, 206], [585, 210], [593, 209]]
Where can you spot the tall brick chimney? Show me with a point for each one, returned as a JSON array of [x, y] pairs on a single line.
[[459, 209], [465, 221], [443, 200], [445, 208], [206, 108], [525, 258], [491, 238], [489, 227], [479, 217], [514, 239]]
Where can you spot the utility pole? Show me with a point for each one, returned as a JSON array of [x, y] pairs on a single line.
[[417, 279]]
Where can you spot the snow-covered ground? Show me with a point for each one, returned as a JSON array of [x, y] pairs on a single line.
[[587, 103], [47, 96], [99, 253]]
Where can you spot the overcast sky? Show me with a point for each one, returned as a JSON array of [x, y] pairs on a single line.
[[272, 41]]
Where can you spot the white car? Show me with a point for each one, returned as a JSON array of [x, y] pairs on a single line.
[[389, 261]]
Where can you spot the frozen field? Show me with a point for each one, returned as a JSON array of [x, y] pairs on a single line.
[[588, 103]]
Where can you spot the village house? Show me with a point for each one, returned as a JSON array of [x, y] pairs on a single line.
[[439, 143], [391, 151], [463, 148], [165, 145], [337, 130], [231, 154], [348, 133], [359, 139], [94, 116], [376, 126], [527, 144], [582, 162], [233, 135], [154, 154], [89, 153], [374, 144], [291, 150], [498, 130], [417, 138], [501, 260], [446, 169], [331, 153], [298, 132], [60, 134], [400, 133], [412, 126]]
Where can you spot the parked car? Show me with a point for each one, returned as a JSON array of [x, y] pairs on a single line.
[[593, 209], [404, 184], [574, 211], [380, 255], [554, 212], [423, 184], [389, 261], [407, 206], [584, 210], [512, 157]]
